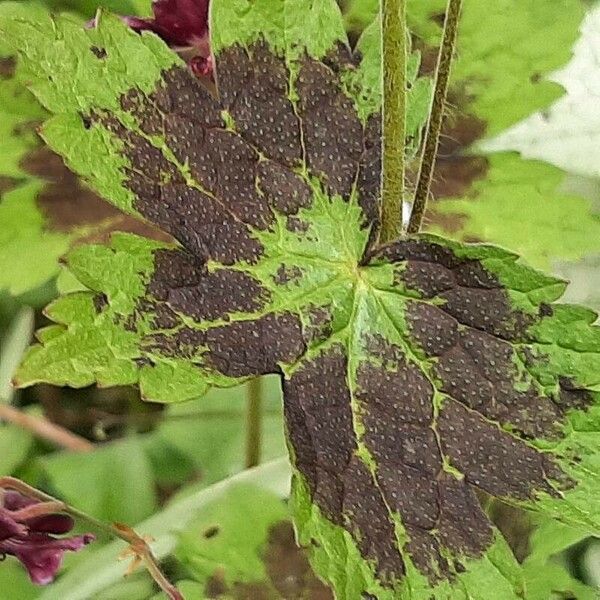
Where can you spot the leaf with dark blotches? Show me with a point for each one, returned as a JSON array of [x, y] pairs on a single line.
[[418, 377], [44, 207]]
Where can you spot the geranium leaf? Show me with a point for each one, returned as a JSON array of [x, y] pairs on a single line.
[[567, 133], [415, 375], [23, 221], [44, 208]]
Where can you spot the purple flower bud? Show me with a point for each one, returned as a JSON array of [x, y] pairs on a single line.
[[31, 539], [180, 23]]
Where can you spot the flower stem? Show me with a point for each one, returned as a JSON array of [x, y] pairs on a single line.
[[253, 422], [394, 49], [139, 547], [434, 125]]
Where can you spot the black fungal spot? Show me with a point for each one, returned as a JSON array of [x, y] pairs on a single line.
[[333, 135], [99, 53], [369, 174], [253, 86], [319, 423], [100, 302], [286, 191], [287, 274], [86, 120], [296, 225], [571, 396], [216, 294], [7, 67], [490, 458], [319, 327], [254, 347], [211, 532]]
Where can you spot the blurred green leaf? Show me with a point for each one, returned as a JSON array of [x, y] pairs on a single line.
[[15, 584], [89, 7], [15, 444], [520, 205], [546, 575], [211, 431], [13, 345], [229, 535], [99, 568], [113, 483]]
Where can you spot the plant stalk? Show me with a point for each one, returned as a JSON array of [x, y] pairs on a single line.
[[253, 422], [436, 115], [45, 429], [394, 51]]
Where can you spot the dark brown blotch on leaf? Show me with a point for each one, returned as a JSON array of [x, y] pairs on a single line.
[[7, 67], [333, 134], [254, 88], [255, 346]]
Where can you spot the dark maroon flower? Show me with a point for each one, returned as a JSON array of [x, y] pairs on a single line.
[[183, 25], [29, 536]]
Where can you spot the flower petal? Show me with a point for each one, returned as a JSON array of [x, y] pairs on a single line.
[[42, 555], [9, 527]]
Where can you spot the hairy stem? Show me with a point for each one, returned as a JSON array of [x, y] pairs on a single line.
[[139, 548], [40, 427], [253, 422], [394, 42], [434, 125]]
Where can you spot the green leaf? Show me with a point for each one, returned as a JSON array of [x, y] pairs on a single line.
[[506, 48], [224, 540], [24, 236], [210, 433], [414, 374], [545, 573], [520, 204], [44, 208], [113, 483], [566, 134], [99, 568], [505, 52], [15, 583]]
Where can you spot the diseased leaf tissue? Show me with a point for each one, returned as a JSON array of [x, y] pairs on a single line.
[[416, 376]]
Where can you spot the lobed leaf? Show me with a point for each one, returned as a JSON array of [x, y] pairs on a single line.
[[417, 376]]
